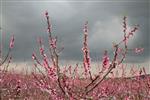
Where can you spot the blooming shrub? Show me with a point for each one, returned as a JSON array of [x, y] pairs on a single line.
[[68, 84]]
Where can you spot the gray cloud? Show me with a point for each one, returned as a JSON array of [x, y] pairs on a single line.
[[26, 20]]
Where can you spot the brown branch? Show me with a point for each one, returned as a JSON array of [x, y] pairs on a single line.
[[5, 57], [112, 66]]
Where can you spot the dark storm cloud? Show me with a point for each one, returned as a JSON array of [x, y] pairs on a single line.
[[26, 20]]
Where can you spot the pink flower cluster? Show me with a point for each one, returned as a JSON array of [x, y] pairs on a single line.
[[53, 42], [105, 61]]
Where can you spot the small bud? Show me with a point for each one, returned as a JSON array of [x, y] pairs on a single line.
[[85, 30], [46, 13]]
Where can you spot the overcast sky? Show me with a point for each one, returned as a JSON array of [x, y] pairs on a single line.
[[26, 20]]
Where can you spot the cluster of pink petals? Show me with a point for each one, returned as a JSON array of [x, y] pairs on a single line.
[[53, 42], [138, 50], [52, 74], [34, 56], [105, 61]]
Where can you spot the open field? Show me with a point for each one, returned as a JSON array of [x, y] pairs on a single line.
[[22, 87]]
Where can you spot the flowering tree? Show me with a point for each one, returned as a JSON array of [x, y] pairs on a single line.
[[67, 84]]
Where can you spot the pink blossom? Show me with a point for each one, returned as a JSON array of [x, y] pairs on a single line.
[[11, 45], [52, 73], [46, 13], [127, 98], [34, 56], [42, 50], [53, 42], [138, 50], [105, 61], [132, 31]]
